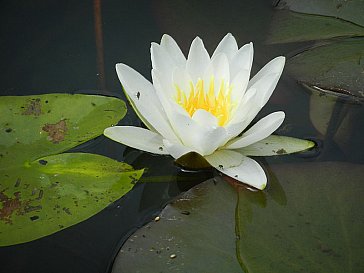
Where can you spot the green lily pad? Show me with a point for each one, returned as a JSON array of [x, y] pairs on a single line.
[[351, 11], [313, 223], [42, 191], [58, 191], [337, 67], [290, 26]]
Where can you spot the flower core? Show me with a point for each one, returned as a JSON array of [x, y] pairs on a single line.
[[219, 104]]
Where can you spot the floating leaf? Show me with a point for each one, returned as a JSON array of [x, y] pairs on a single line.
[[290, 26], [337, 67], [314, 222], [351, 11], [58, 191], [41, 191]]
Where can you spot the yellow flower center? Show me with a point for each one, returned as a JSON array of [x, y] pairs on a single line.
[[219, 105]]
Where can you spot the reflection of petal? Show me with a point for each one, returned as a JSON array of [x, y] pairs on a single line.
[[176, 150], [137, 137], [267, 78], [276, 145], [198, 60], [142, 95], [248, 172], [263, 128], [227, 46], [225, 158]]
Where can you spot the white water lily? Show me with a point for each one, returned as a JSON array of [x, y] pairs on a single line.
[[204, 105]]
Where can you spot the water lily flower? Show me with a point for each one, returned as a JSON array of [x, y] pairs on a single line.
[[204, 104]]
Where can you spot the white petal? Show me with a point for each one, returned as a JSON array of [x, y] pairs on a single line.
[[182, 79], [204, 140], [198, 60], [143, 97], [173, 49], [137, 138], [227, 46], [162, 61], [204, 118], [225, 159], [243, 59], [219, 69], [176, 150], [248, 172], [265, 81], [276, 145], [263, 128], [239, 85], [244, 114]]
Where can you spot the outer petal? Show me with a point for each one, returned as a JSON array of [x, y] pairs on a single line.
[[198, 59], [176, 150], [137, 137], [276, 145], [225, 159], [227, 46], [249, 172], [239, 84], [142, 96], [263, 128], [267, 78], [170, 45]]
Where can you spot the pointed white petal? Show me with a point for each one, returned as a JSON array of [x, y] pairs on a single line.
[[227, 46], [243, 59], [204, 118], [276, 145], [248, 172], [137, 138], [176, 150], [143, 97], [224, 159], [170, 45], [162, 61], [263, 128], [265, 81], [198, 59]]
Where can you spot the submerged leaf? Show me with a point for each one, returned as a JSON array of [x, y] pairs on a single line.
[[338, 67], [313, 222], [290, 26], [351, 11]]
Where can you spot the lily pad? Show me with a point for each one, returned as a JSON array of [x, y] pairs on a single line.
[[313, 223], [351, 11], [337, 67], [42, 191], [290, 26], [55, 192]]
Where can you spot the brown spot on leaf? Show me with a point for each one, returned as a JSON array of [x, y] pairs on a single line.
[[10, 205], [281, 151], [33, 108], [56, 131]]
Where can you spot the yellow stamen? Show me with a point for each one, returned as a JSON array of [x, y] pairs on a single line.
[[220, 106]]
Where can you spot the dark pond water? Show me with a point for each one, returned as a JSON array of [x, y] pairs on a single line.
[[73, 46]]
